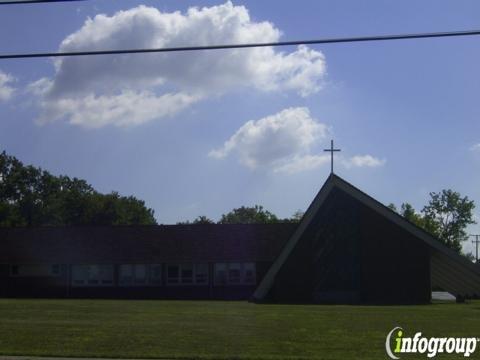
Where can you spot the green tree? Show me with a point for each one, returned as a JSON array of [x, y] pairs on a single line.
[[450, 214], [446, 217], [202, 219], [295, 218], [30, 196], [393, 207], [249, 215]]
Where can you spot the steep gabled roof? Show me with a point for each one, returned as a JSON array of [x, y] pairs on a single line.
[[449, 270]]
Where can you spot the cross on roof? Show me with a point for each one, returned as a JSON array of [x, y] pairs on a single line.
[[331, 151]]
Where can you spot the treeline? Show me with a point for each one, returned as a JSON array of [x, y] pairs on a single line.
[[30, 196], [247, 215]]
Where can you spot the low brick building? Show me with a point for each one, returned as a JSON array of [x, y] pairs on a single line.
[[348, 248]]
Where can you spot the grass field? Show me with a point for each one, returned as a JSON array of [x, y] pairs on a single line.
[[219, 330]]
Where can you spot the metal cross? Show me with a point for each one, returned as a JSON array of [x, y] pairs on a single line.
[[331, 151]]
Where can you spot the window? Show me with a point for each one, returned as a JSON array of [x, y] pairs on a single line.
[[79, 274], [92, 275], [156, 273], [201, 273], [187, 274], [235, 273], [140, 271], [35, 270], [55, 270], [133, 274], [220, 274], [173, 272], [249, 273], [125, 274]]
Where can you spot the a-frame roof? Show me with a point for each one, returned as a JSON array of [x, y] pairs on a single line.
[[453, 272]]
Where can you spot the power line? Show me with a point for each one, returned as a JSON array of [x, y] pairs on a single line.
[[13, 2], [251, 45]]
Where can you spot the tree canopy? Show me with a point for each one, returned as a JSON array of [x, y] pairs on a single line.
[[446, 216], [30, 196], [202, 219], [247, 215]]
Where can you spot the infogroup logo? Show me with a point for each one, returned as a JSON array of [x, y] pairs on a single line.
[[429, 346]]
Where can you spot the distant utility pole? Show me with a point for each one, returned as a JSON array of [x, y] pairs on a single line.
[[476, 242]]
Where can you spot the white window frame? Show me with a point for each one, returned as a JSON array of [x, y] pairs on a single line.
[[181, 281], [241, 267], [199, 271], [234, 267], [187, 280], [176, 278]]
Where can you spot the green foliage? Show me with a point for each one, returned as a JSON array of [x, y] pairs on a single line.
[[202, 219], [392, 206], [296, 217], [446, 217], [246, 215], [249, 215], [451, 214], [30, 196]]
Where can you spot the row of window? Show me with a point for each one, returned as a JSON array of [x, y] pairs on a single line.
[[147, 274], [35, 270]]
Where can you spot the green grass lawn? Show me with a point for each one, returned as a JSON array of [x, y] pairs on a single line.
[[220, 330]]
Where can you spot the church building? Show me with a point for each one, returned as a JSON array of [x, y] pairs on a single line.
[[347, 249]]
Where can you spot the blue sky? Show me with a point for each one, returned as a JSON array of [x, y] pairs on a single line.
[[176, 132]]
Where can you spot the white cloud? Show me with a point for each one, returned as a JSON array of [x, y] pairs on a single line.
[[303, 163], [475, 147], [282, 142], [192, 75], [6, 88], [125, 109], [363, 161]]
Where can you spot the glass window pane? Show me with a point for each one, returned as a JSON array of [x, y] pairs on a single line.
[[234, 273], [79, 274], [55, 269], [156, 273], [201, 273], [249, 273], [140, 274], [220, 274], [105, 274], [173, 272], [126, 274], [187, 273]]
